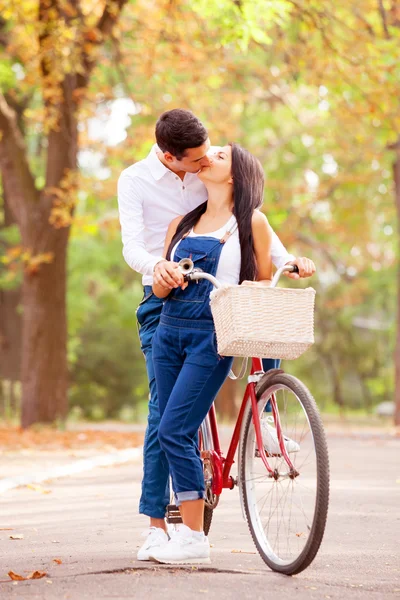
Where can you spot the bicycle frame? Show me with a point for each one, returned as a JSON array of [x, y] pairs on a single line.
[[221, 465]]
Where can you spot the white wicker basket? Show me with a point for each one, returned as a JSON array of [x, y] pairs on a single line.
[[263, 322]]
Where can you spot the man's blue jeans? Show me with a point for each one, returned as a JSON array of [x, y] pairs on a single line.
[[270, 363], [155, 484]]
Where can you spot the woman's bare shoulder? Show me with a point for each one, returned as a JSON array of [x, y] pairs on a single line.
[[259, 221]]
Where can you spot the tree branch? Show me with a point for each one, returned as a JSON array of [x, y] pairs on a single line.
[[104, 29], [110, 16], [337, 265], [13, 159], [382, 12]]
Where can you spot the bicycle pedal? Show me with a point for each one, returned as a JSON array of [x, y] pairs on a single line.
[[173, 514]]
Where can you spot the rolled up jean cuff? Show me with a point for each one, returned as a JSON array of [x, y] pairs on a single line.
[[185, 496]]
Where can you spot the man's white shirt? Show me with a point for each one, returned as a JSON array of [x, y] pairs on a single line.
[[150, 196]]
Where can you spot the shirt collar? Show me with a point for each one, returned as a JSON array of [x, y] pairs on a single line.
[[156, 167]]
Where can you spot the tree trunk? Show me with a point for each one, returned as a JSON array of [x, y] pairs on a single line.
[[225, 402], [335, 381], [44, 330], [44, 338], [396, 175], [44, 364], [10, 320]]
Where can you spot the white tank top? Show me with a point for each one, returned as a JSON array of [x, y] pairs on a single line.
[[230, 260]]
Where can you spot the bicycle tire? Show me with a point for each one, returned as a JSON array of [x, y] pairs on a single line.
[[207, 518], [316, 532], [205, 434], [208, 515]]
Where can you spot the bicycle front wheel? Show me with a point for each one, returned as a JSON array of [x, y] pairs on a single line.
[[286, 516]]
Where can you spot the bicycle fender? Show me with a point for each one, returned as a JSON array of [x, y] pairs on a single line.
[[268, 375]]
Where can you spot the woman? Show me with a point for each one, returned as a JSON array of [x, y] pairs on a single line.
[[227, 237]]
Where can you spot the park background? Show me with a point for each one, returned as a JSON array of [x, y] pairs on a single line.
[[311, 87]]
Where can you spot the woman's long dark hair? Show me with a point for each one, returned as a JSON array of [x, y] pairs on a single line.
[[248, 193]]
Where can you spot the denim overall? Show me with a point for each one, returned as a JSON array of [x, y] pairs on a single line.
[[188, 370], [155, 494]]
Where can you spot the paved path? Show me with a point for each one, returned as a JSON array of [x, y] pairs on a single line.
[[89, 522]]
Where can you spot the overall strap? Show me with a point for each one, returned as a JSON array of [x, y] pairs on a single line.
[[224, 238], [229, 232]]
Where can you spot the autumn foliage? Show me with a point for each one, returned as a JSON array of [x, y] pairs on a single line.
[[310, 86]]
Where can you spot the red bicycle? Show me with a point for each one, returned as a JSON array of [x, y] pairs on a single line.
[[283, 464]]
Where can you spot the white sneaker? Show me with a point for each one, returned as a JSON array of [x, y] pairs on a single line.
[[186, 547], [270, 439], [156, 538]]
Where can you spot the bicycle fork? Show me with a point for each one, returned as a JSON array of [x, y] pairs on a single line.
[[274, 473]]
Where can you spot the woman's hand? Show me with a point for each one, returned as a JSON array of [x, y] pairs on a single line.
[[305, 265]]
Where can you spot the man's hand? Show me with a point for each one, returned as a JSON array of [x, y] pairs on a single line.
[[305, 265], [167, 274]]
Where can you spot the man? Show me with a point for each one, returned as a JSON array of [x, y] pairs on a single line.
[[151, 193]]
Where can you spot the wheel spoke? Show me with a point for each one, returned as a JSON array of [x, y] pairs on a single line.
[[281, 511]]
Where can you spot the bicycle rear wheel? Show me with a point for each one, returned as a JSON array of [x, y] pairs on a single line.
[[286, 516], [211, 500]]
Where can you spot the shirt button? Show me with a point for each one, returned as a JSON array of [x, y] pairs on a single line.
[[177, 178], [183, 187]]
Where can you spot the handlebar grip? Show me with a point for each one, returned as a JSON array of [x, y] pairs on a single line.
[[294, 269]]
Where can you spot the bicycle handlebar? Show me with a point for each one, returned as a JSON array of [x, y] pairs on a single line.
[[190, 273]]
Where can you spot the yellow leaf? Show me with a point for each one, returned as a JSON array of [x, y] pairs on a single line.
[[38, 488]]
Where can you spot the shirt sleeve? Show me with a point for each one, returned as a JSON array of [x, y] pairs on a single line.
[[130, 206], [279, 254]]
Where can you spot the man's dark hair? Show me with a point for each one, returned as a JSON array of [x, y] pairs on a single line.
[[177, 130]]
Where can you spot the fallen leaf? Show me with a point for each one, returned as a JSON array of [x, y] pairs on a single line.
[[58, 561], [242, 552], [37, 575], [6, 529], [33, 575], [46, 438], [15, 576], [17, 536], [38, 488]]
